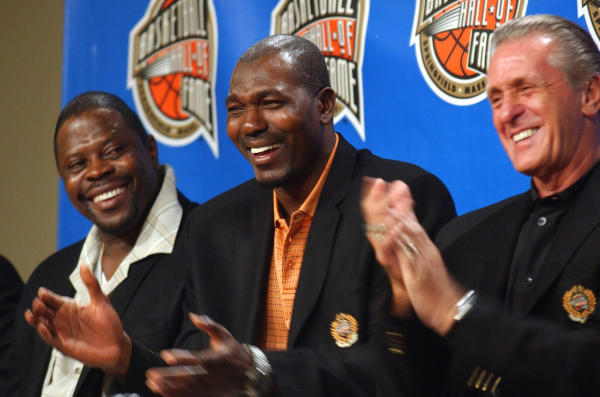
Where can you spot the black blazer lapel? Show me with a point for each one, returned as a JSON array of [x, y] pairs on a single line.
[[90, 380], [253, 245], [123, 294], [577, 224], [321, 238], [482, 257], [89, 383]]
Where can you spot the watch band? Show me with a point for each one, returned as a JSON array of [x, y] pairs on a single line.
[[259, 377], [465, 304]]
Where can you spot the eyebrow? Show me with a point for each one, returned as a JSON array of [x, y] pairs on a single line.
[[230, 98], [103, 143], [260, 94]]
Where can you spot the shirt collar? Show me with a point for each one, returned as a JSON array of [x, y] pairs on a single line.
[[567, 195], [309, 206], [157, 236]]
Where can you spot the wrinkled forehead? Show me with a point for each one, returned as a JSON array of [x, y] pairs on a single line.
[[524, 45], [92, 124], [272, 67], [525, 51], [100, 117]]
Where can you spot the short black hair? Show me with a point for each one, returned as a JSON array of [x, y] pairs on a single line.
[[99, 100], [305, 59]]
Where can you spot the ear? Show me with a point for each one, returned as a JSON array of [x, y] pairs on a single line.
[[326, 98], [153, 150], [590, 102]]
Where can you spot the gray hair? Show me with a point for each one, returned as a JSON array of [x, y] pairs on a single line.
[[303, 57], [577, 55]]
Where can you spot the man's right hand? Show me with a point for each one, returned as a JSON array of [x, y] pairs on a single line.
[[381, 203], [413, 263], [92, 333]]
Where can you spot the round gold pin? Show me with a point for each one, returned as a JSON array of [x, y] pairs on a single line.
[[344, 330], [579, 303]]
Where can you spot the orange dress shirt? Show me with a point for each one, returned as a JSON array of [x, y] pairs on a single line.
[[288, 249]]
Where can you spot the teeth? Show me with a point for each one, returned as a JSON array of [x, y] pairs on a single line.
[[109, 195], [259, 150], [524, 134]]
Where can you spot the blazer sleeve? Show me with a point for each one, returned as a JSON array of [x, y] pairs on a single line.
[[411, 360], [514, 347]]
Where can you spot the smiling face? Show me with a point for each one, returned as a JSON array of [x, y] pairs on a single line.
[[109, 174], [277, 124], [538, 115]]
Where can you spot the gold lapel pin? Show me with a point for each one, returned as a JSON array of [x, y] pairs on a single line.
[[344, 330], [579, 303]]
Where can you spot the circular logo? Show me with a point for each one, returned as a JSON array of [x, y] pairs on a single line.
[[172, 62], [579, 303], [452, 42], [344, 330]]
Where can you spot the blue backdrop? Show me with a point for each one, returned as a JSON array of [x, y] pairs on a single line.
[[403, 117]]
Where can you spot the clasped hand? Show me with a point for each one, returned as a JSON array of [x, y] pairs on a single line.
[[418, 276]]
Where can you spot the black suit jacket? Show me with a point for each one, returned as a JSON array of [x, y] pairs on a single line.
[[148, 302], [542, 352], [492, 352], [11, 287], [229, 245]]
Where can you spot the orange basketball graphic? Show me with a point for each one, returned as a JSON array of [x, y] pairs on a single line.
[[165, 89], [452, 49], [165, 92], [452, 40]]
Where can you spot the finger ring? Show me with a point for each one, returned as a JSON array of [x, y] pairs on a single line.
[[377, 230], [412, 248], [409, 246]]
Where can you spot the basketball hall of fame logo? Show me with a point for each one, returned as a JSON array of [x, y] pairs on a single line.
[[338, 28], [452, 41], [591, 10], [172, 69]]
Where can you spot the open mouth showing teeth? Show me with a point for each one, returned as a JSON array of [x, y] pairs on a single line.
[[108, 195], [263, 149], [524, 134]]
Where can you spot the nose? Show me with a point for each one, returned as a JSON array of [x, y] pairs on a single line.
[[510, 109], [98, 168], [253, 121]]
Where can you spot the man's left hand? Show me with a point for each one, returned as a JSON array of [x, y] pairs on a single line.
[[216, 371]]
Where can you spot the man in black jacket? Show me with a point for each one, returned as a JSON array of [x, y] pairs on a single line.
[[110, 170], [521, 319], [280, 263]]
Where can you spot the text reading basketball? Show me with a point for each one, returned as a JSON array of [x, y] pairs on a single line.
[[172, 61], [338, 28]]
